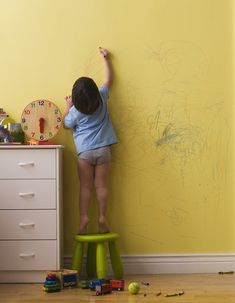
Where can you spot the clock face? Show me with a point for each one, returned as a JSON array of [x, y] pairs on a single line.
[[41, 120]]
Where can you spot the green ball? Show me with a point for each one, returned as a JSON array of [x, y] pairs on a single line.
[[134, 288]]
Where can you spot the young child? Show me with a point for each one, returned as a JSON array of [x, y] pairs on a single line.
[[87, 114]]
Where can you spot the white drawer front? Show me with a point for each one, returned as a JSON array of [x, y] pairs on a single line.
[[27, 164], [28, 255], [27, 224], [27, 194]]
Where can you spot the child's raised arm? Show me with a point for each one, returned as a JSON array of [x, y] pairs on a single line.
[[108, 67]]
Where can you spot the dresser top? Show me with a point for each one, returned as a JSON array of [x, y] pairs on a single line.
[[24, 146]]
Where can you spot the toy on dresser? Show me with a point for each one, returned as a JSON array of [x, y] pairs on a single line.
[[4, 132], [10, 132], [40, 121]]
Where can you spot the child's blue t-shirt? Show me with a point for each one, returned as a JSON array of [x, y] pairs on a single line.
[[92, 131]]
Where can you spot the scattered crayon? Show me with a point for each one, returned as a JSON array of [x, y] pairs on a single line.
[[180, 293]]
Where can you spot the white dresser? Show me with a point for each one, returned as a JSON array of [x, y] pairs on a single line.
[[30, 212]]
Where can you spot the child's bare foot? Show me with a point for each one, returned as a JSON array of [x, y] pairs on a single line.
[[103, 228], [83, 226]]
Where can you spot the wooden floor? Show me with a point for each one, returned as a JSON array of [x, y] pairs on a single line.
[[206, 288]]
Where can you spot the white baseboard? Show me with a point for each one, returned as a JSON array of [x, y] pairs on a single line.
[[173, 264]]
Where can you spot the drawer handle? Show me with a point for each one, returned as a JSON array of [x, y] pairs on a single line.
[[26, 194], [22, 164], [28, 255], [24, 225]]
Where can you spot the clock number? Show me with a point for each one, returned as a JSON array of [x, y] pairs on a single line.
[[27, 112], [56, 111], [57, 127], [25, 127], [33, 104], [41, 102], [41, 137], [58, 119], [23, 120]]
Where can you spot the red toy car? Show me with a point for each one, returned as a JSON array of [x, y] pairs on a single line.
[[103, 289], [117, 284]]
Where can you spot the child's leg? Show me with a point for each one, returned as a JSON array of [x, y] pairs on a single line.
[[86, 176], [101, 187]]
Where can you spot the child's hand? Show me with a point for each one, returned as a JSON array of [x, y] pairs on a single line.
[[68, 100], [103, 52]]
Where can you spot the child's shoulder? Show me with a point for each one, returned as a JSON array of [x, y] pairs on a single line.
[[104, 87], [104, 91]]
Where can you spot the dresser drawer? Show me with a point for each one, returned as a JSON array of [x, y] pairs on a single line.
[[27, 164], [27, 224], [27, 194], [27, 255]]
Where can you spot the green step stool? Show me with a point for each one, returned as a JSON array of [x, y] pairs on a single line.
[[96, 264]]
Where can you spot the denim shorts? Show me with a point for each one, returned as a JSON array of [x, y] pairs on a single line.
[[96, 156]]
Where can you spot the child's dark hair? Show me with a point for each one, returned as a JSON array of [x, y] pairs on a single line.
[[85, 95]]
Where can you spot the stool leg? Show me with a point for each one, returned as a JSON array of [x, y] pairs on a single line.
[[101, 261], [77, 256], [91, 260], [115, 260]]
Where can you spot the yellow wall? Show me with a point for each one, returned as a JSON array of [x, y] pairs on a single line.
[[171, 188]]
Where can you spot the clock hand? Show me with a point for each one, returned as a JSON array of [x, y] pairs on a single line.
[[41, 125]]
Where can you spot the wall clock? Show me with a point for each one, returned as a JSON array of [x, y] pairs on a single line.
[[41, 120]]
